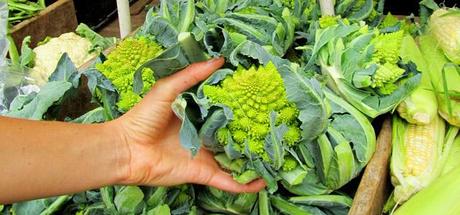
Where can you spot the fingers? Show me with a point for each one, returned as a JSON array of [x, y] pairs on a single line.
[[167, 89], [224, 181]]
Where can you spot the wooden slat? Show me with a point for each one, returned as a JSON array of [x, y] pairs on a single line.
[[56, 19], [373, 188]]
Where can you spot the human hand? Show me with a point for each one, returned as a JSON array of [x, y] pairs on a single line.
[[150, 133]]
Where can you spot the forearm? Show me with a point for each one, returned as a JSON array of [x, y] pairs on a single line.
[[40, 159]]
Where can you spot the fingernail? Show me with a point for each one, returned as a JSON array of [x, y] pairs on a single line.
[[214, 59]]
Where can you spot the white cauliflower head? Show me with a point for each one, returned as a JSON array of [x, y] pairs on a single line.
[[48, 55]]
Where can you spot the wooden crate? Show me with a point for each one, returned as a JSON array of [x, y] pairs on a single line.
[[56, 19], [373, 189]]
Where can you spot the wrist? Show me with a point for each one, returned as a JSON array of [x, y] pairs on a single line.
[[118, 144]]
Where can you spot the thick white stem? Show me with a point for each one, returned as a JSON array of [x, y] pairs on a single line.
[[327, 7], [124, 17]]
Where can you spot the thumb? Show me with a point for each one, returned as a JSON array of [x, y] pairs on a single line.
[[167, 89], [224, 181]]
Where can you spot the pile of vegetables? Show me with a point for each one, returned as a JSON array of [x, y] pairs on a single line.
[[293, 105], [20, 10]]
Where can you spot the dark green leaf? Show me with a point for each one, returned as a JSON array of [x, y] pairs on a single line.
[[65, 69], [99, 43], [323, 200], [30, 207], [287, 207], [188, 134], [273, 142], [49, 94], [94, 116]]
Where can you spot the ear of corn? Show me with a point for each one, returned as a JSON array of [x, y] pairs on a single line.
[[417, 152], [445, 78], [442, 195], [445, 27], [420, 107]]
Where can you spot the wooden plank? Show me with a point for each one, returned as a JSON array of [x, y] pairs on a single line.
[[373, 188], [56, 19]]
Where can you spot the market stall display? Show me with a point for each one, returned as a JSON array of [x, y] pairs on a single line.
[[52, 20], [298, 103]]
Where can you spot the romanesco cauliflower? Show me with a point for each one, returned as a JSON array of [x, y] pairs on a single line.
[[386, 55], [289, 164], [387, 47], [252, 95], [404, 24], [385, 77], [288, 3], [326, 21], [121, 65]]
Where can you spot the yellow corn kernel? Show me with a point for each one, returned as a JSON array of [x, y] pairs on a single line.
[[420, 145]]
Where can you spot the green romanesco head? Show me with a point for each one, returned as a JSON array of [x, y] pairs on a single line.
[[387, 47], [288, 3], [386, 55], [389, 21], [404, 24], [327, 21], [252, 94], [385, 77], [289, 164], [121, 64]]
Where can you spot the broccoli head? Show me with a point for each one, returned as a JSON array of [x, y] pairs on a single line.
[[252, 94], [122, 63]]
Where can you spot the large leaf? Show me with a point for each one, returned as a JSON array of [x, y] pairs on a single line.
[[48, 95], [65, 69], [307, 96], [94, 116], [220, 115], [217, 119], [273, 142], [175, 58], [286, 207], [165, 33], [344, 116], [323, 200], [128, 199], [188, 134]]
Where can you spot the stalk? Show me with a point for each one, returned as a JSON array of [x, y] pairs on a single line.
[[42, 3], [327, 7], [56, 205], [13, 50]]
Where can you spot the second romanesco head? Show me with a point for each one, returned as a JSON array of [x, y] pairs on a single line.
[[252, 94], [122, 63], [386, 55]]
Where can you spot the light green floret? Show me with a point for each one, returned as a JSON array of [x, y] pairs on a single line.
[[122, 63], [289, 164], [253, 94], [288, 3], [327, 21], [385, 77], [387, 47]]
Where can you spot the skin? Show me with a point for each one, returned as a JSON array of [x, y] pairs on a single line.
[[42, 159]]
